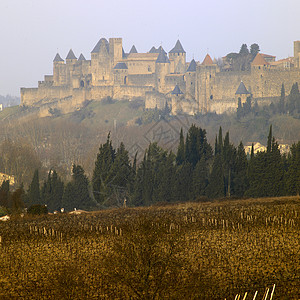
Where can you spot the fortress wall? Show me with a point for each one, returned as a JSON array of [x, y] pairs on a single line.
[[154, 100], [99, 92], [172, 80], [220, 107], [262, 83], [141, 67], [144, 79], [32, 96], [128, 91]]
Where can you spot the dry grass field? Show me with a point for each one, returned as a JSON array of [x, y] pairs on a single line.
[[212, 250]]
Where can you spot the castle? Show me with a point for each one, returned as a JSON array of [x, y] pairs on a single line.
[[159, 79]]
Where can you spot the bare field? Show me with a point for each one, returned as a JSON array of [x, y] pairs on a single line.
[[212, 250]]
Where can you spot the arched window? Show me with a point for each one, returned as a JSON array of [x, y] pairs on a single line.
[[81, 83], [211, 97], [125, 80]]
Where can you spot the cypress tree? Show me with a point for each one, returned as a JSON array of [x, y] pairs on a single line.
[[52, 191], [200, 178], [282, 100], [293, 173], [76, 193], [215, 187], [240, 181], [33, 193], [180, 157], [102, 172]]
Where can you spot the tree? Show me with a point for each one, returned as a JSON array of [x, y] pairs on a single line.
[[17, 203], [244, 50], [215, 187], [76, 194], [200, 178], [240, 178], [254, 49], [281, 106], [52, 191], [293, 174], [293, 104], [4, 194], [102, 175], [33, 193], [122, 177], [180, 157]]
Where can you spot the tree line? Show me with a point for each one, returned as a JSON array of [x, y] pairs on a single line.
[[196, 172]]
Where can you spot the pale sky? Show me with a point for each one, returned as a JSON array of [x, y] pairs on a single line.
[[33, 31]]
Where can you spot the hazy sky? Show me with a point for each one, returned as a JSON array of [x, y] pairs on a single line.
[[32, 31]]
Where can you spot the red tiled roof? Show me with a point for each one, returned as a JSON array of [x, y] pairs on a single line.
[[207, 60], [259, 60]]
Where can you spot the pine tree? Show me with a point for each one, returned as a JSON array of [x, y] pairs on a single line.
[[293, 174], [122, 177], [281, 105], [183, 183], [200, 178], [240, 178], [52, 191], [33, 193], [76, 193], [102, 174], [269, 143], [215, 187], [180, 157]]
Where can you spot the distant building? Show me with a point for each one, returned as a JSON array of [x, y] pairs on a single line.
[[154, 75]]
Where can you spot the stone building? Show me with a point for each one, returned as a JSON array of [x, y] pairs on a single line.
[[153, 76]]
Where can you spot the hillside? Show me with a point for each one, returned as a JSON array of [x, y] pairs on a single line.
[[215, 250], [61, 140]]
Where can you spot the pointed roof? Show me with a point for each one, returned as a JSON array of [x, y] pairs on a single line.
[[177, 90], [242, 89], [259, 60], [162, 58], [81, 57], [133, 50], [178, 48], [57, 58], [124, 55], [192, 66], [120, 65], [161, 49], [207, 60], [71, 55], [100, 42], [153, 50]]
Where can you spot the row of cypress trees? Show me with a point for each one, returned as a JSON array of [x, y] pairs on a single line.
[[195, 172]]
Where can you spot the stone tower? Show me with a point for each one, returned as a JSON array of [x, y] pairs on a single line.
[[178, 55], [242, 93], [175, 96], [297, 53], [101, 64], [190, 80], [162, 68], [205, 78], [58, 74], [115, 50]]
